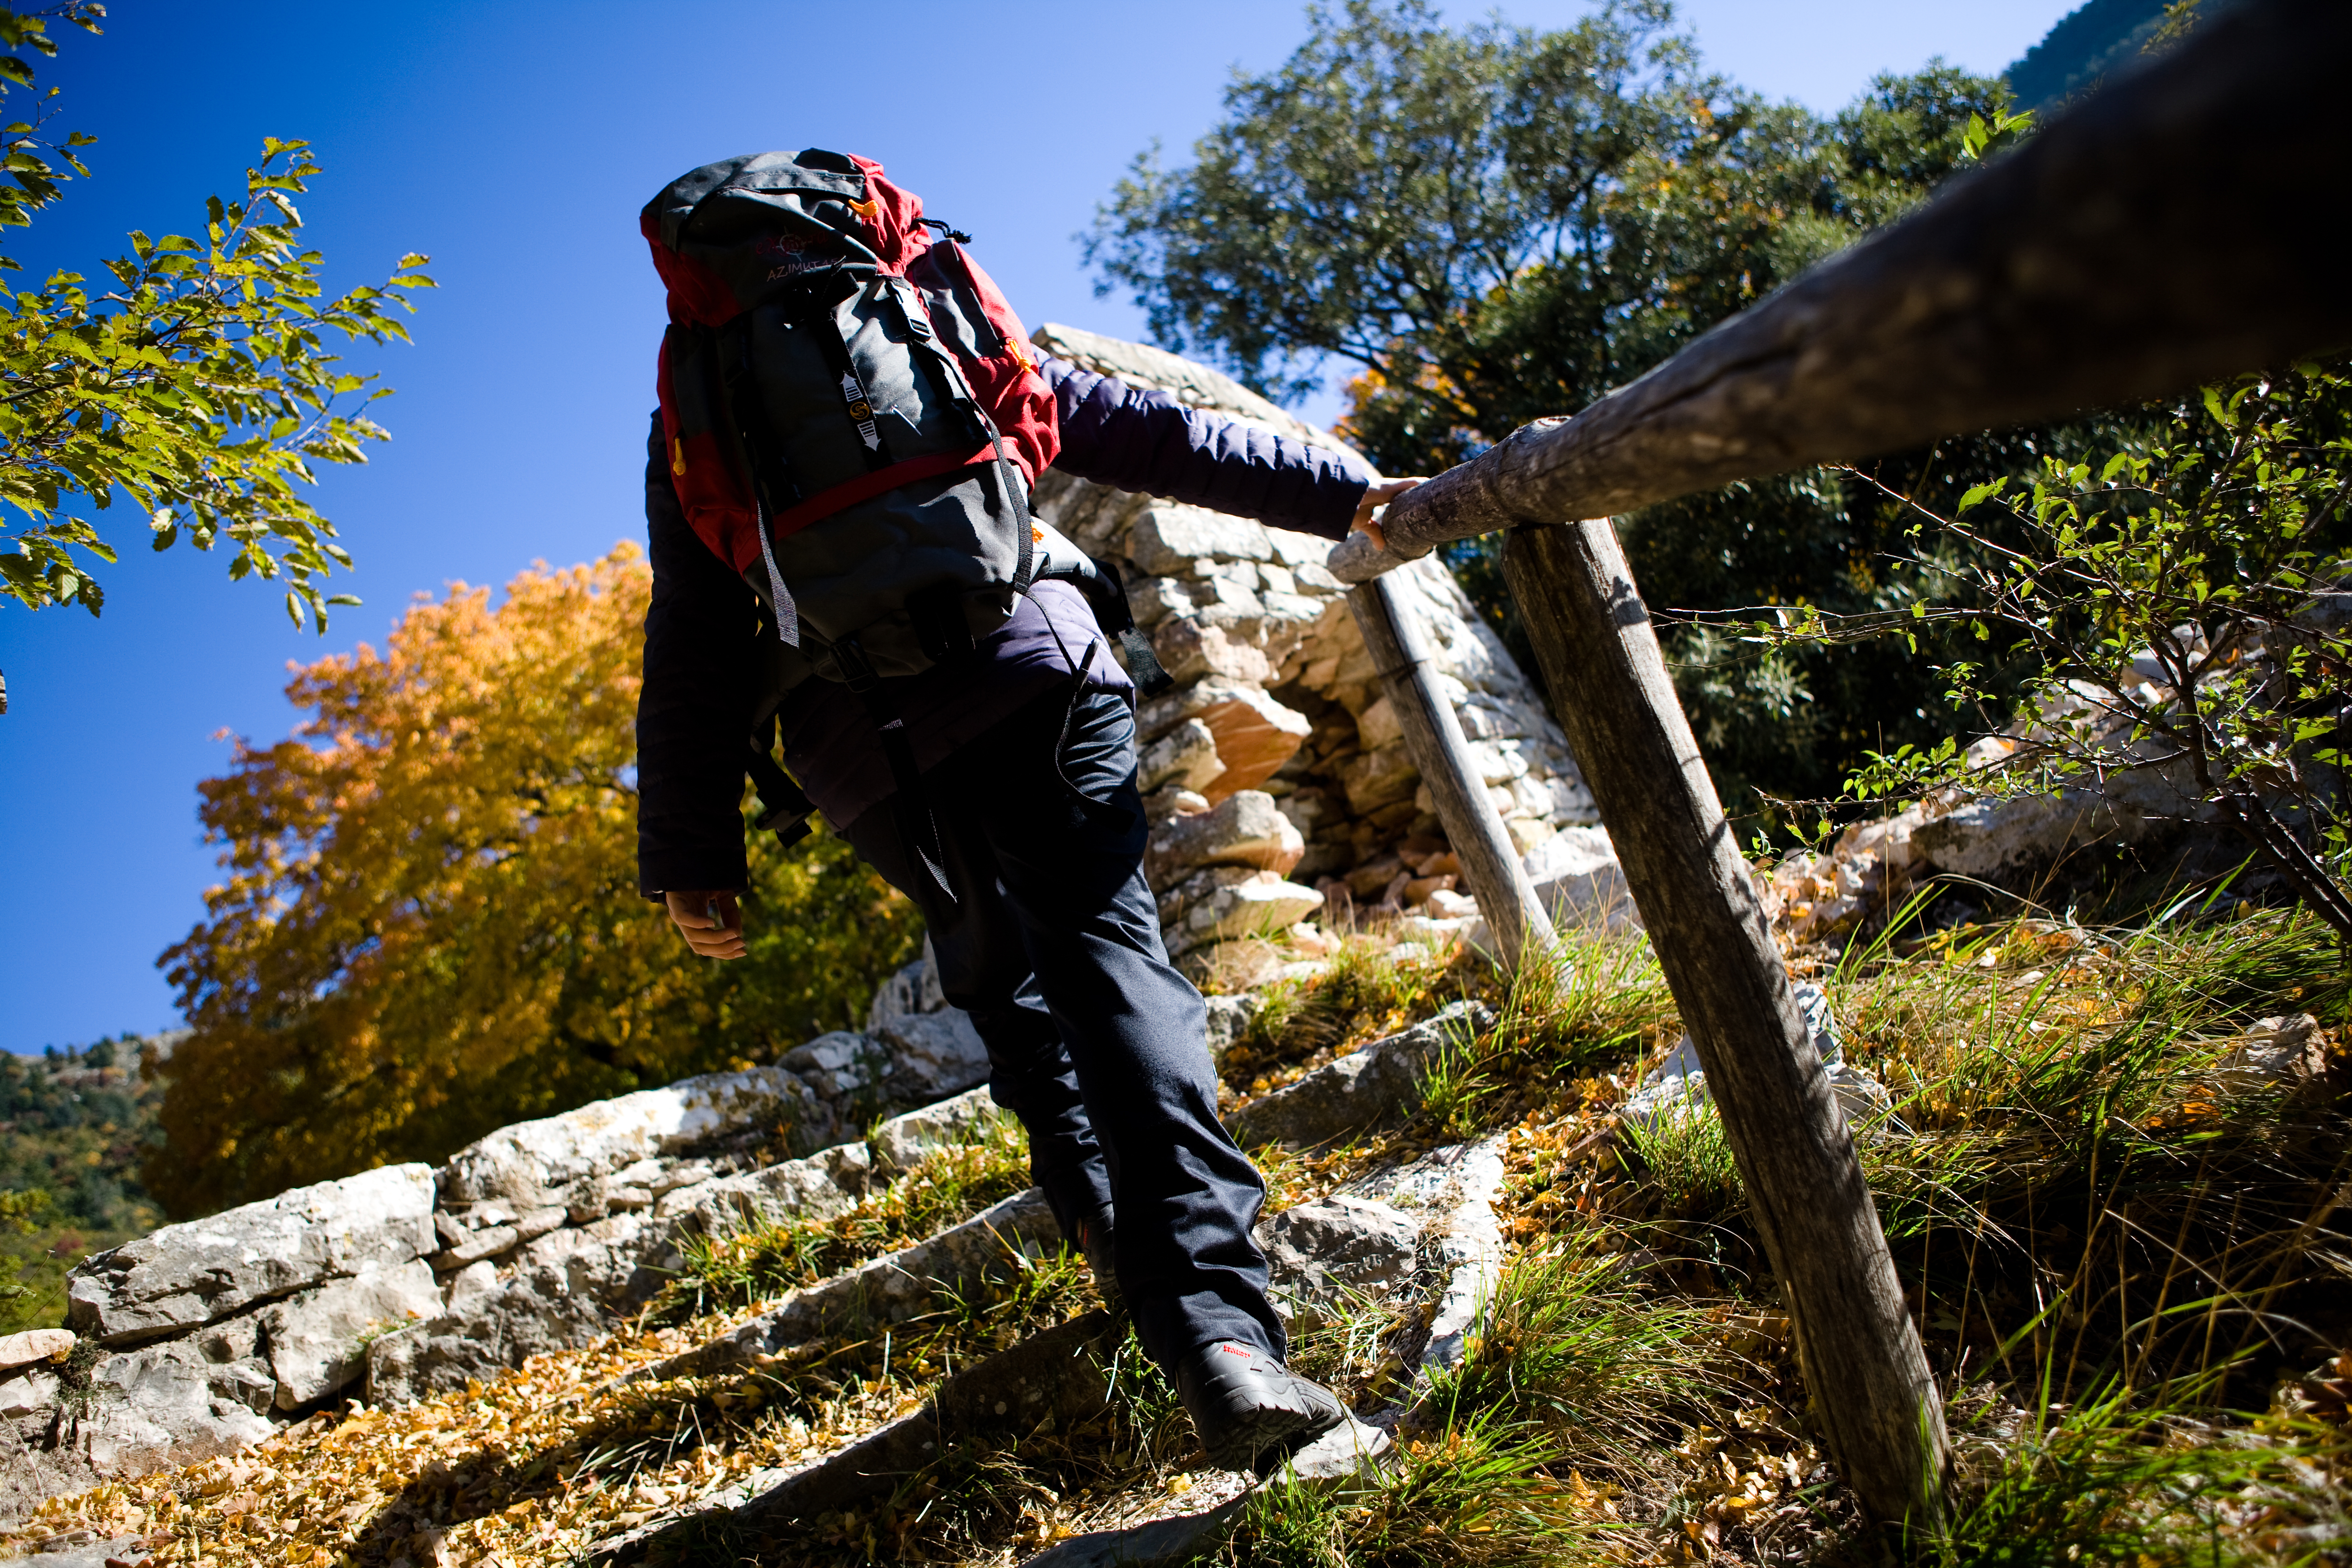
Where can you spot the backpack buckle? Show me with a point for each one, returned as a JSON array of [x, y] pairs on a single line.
[[856, 669]]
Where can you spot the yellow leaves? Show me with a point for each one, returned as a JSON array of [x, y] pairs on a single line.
[[430, 926]]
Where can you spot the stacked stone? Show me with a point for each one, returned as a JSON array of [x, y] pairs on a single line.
[[1276, 773]]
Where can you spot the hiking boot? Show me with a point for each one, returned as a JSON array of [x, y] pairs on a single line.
[[1251, 1411], [1095, 1240]]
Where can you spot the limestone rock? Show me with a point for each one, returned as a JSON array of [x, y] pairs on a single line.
[[1229, 1020], [914, 989], [29, 1391], [1366, 1088], [840, 1063], [1378, 726], [186, 1275], [34, 1346], [535, 1163], [1336, 1249], [566, 1287], [1374, 779], [935, 1054], [900, 1142], [1168, 537], [817, 1186], [1259, 906], [1185, 758], [1999, 840], [170, 1405], [2279, 1052], [1244, 829], [1469, 1248], [1187, 646], [317, 1340], [1580, 882], [1254, 734]]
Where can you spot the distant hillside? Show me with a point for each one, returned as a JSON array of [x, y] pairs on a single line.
[[2087, 42], [74, 1125]]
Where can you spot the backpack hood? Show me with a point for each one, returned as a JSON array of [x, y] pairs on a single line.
[[726, 235]]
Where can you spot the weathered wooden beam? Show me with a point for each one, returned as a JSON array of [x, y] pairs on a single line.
[[1433, 735], [2184, 223], [1863, 1366]]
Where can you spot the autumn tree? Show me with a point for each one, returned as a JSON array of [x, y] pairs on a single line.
[[431, 926], [190, 381]]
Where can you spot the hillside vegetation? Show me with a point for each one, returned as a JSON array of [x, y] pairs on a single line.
[[74, 1126]]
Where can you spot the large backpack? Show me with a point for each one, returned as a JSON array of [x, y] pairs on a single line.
[[852, 421], [833, 371]]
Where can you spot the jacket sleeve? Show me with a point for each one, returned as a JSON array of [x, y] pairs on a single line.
[[694, 709], [1138, 438]]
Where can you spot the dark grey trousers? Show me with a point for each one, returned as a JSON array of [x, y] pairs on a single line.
[[1095, 1041]]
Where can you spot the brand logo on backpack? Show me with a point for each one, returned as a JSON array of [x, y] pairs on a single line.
[[790, 255]]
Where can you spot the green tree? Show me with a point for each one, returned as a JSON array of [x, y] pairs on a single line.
[[430, 926], [1494, 225], [2179, 610], [191, 380]]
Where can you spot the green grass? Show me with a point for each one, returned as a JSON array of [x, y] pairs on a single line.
[[2142, 1476], [1573, 1345], [1481, 1492], [728, 1270]]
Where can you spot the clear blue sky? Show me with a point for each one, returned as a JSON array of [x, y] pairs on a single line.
[[515, 140]]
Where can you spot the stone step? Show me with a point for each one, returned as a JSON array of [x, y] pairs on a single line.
[[1351, 1455], [889, 1289], [1372, 1086], [1057, 1373]]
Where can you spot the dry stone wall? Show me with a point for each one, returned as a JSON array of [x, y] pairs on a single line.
[[1276, 772]]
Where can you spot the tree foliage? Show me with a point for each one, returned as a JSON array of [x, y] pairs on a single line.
[[430, 928], [191, 380], [2181, 605], [1494, 225]]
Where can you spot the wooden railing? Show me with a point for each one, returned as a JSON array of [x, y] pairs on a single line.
[[2185, 223]]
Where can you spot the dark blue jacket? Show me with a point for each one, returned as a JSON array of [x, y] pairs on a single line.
[[705, 682]]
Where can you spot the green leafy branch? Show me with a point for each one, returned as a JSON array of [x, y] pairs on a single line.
[[24, 155], [195, 380], [2184, 611], [199, 386]]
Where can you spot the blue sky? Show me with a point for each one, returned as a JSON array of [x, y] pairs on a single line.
[[514, 142]]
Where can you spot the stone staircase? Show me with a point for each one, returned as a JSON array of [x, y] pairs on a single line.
[[1428, 1223], [217, 1335]]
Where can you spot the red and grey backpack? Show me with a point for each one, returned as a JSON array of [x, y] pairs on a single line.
[[854, 419]]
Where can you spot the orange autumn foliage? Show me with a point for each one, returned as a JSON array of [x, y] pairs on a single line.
[[431, 926]]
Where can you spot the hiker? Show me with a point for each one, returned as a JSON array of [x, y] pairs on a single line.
[[836, 498]]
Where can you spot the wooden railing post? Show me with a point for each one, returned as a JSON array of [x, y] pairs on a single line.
[[1432, 734], [1872, 1390], [2154, 236]]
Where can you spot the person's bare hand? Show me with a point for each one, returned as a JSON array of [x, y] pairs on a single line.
[[1379, 495], [712, 923]]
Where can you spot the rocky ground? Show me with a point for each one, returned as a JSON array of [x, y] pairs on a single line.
[[1505, 1227]]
